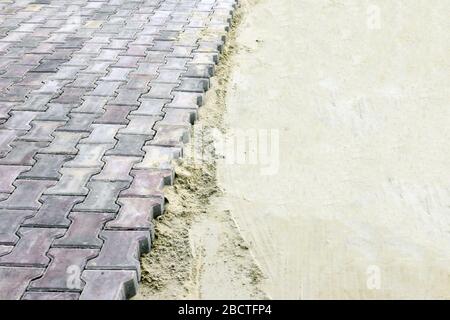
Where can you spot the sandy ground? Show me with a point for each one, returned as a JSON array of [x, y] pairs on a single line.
[[358, 90], [356, 200]]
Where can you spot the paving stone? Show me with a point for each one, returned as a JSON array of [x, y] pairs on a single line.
[[64, 271], [169, 76], [89, 156], [31, 249], [158, 157], [9, 173], [140, 125], [180, 116], [190, 100], [71, 96], [121, 250], [22, 153], [106, 88], [117, 74], [47, 167], [136, 213], [19, 120], [129, 145], [140, 82], [84, 230], [160, 91], [53, 212], [79, 122], [170, 135], [147, 183], [55, 112], [117, 168], [73, 182], [102, 196], [151, 107], [64, 143], [109, 284], [127, 97], [102, 134], [41, 131], [26, 194], [51, 296], [11, 220], [193, 85], [92, 105], [14, 281], [115, 114], [5, 249], [35, 102]]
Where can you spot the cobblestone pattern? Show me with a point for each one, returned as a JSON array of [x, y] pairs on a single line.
[[95, 98]]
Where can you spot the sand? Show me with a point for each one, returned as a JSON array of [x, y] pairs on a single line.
[[356, 202], [358, 91]]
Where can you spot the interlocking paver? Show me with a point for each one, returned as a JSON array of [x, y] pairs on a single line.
[[121, 250], [31, 249], [64, 271], [95, 103], [54, 211], [84, 230], [14, 281], [109, 284]]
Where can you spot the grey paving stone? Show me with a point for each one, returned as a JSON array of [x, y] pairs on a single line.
[[55, 112], [41, 131], [31, 249], [22, 153], [136, 213], [121, 250], [158, 157], [190, 100], [129, 145], [47, 167], [102, 134], [84, 230], [193, 85], [115, 114], [53, 212], [117, 168], [9, 173], [11, 220], [26, 194], [170, 135], [64, 271], [128, 97], [102, 196], [73, 182], [175, 116], [147, 183], [140, 125], [14, 281], [35, 102], [39, 295], [19, 120], [150, 107], [106, 88], [109, 284], [89, 156], [160, 91], [64, 143], [92, 105], [79, 122]]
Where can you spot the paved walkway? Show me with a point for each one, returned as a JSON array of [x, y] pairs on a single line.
[[96, 98]]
